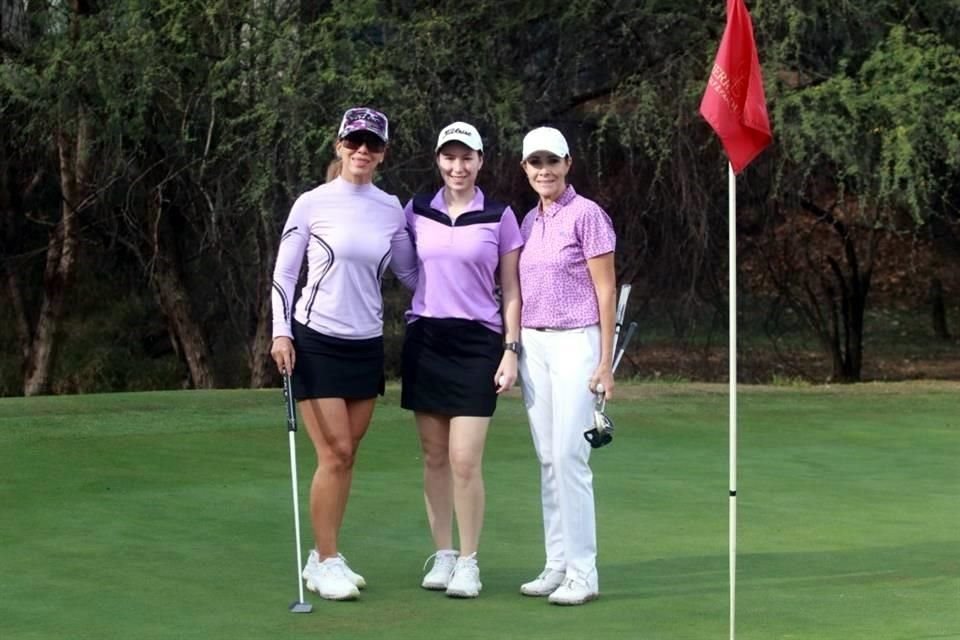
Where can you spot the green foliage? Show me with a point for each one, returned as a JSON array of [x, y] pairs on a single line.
[[224, 111], [888, 131]]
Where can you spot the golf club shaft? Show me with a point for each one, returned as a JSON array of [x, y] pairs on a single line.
[[296, 510], [291, 430], [623, 347]]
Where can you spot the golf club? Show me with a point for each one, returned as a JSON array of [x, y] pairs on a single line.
[[600, 432], [300, 606]]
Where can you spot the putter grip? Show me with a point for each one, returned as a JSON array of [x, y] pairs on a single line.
[[622, 302], [288, 397]]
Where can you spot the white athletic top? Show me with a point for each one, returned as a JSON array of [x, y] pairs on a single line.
[[350, 233]]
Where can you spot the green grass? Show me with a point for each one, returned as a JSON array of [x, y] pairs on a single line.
[[168, 515]]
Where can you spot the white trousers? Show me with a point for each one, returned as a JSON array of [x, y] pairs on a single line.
[[555, 369]]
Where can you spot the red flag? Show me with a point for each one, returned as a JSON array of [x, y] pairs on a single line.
[[734, 103]]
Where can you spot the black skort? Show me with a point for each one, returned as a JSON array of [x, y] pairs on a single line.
[[328, 367], [448, 366]]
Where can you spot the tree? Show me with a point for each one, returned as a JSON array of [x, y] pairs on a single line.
[[69, 132], [168, 140], [872, 150]]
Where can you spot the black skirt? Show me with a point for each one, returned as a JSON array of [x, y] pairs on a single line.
[[448, 367], [328, 367]]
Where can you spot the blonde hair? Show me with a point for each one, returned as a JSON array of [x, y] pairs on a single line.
[[333, 169]]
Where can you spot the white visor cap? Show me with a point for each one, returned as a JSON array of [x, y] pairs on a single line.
[[545, 139], [460, 132]]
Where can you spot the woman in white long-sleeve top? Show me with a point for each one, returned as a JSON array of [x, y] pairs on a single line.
[[331, 341]]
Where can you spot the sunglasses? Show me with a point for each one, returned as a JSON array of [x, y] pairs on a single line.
[[356, 140], [536, 161]]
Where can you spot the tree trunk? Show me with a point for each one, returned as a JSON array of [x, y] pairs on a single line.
[[13, 24], [20, 322], [10, 246], [847, 343], [174, 299], [61, 254], [261, 366], [831, 336], [845, 296]]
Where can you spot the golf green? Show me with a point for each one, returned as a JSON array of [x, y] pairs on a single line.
[[169, 515]]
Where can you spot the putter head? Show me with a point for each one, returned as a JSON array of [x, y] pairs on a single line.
[[301, 607], [601, 432]]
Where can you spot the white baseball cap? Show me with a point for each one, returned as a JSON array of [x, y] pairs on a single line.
[[545, 139], [460, 132]]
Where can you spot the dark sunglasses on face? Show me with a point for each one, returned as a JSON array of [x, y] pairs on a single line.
[[537, 162], [372, 142]]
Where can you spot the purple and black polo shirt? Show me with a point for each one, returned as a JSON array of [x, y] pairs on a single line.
[[457, 258]]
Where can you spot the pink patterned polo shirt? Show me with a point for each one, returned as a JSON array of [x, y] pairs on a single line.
[[555, 283]]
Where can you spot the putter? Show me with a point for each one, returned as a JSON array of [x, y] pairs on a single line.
[[300, 606], [600, 432]]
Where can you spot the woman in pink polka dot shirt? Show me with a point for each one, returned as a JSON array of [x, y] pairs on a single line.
[[568, 290]]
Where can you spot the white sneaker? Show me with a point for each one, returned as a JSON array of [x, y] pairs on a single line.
[[544, 584], [329, 580], [574, 591], [465, 582], [438, 578], [314, 559], [352, 576]]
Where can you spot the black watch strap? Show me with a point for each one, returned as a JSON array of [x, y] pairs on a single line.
[[512, 346]]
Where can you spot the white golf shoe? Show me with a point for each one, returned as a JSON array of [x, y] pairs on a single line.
[[544, 584], [329, 580], [465, 582], [438, 578], [352, 575], [314, 559], [575, 590]]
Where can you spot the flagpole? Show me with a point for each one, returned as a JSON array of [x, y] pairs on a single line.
[[732, 311], [736, 109]]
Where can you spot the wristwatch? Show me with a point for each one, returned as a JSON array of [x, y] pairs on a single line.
[[512, 346]]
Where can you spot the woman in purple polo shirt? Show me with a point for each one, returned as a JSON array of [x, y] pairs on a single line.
[[460, 349], [568, 286], [331, 339]]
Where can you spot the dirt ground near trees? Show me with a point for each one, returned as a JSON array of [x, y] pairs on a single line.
[[759, 366]]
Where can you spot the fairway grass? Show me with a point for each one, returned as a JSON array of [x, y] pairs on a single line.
[[168, 515]]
